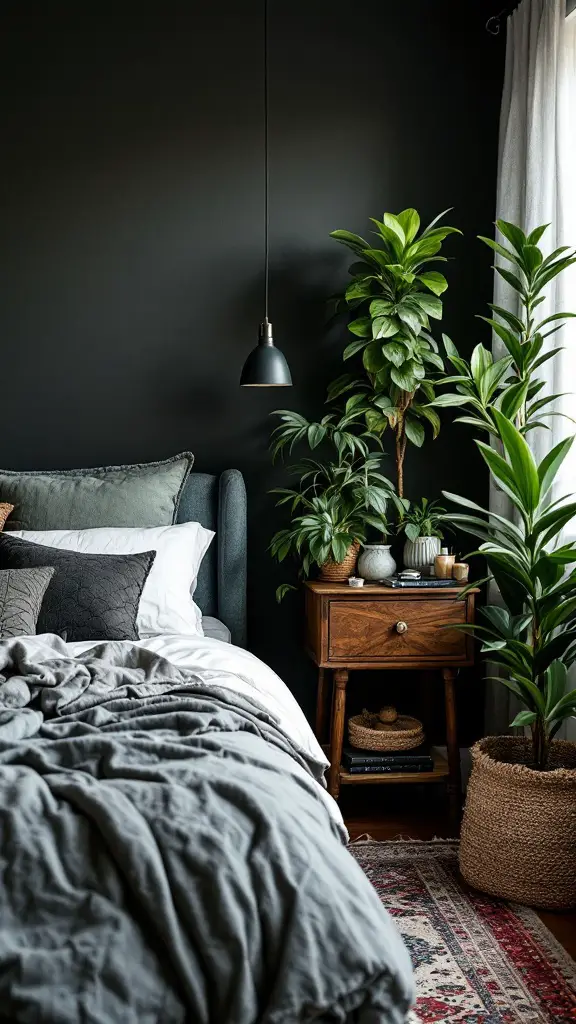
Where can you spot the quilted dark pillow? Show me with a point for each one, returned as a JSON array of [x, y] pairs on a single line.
[[21, 594], [90, 597]]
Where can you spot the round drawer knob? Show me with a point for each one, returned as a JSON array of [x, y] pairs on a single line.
[[401, 627]]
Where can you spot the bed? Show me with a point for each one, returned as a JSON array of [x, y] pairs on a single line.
[[168, 849]]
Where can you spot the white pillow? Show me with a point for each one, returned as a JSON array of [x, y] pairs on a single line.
[[166, 605]]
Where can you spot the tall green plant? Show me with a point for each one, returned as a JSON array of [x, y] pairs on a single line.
[[511, 384], [533, 638], [397, 294]]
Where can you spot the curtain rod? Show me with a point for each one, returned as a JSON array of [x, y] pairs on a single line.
[[494, 24]]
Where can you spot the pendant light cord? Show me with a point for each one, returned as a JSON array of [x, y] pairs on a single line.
[[266, 175]]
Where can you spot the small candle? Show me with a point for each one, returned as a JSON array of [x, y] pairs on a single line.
[[460, 571], [443, 564]]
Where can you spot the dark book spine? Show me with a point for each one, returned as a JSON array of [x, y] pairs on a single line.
[[374, 769], [389, 759]]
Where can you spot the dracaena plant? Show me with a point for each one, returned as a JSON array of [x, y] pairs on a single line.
[[338, 494], [396, 294], [511, 384], [532, 638]]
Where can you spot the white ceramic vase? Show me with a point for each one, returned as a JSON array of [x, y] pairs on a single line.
[[420, 553], [376, 562]]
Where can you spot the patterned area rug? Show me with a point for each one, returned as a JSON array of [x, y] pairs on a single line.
[[476, 960]]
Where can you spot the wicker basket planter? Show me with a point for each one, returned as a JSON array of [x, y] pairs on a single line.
[[337, 572], [519, 830]]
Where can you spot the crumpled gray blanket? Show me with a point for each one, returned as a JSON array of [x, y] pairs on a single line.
[[165, 859]]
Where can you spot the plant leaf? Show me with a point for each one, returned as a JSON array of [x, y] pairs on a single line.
[[409, 221], [535, 236], [513, 233], [393, 224], [431, 305], [353, 348], [524, 718], [385, 327], [521, 460], [349, 239], [511, 279], [395, 352], [443, 401], [500, 249], [414, 431], [433, 280], [551, 463], [404, 379]]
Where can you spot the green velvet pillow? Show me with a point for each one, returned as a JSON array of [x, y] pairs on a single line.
[[143, 494]]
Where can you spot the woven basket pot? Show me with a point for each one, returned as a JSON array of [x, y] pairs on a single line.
[[337, 572], [518, 837]]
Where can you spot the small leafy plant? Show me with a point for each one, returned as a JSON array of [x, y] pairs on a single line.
[[397, 294], [337, 496], [424, 519]]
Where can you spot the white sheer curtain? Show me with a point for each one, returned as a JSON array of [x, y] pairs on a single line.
[[537, 185]]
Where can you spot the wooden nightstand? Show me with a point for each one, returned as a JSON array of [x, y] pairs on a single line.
[[377, 627]]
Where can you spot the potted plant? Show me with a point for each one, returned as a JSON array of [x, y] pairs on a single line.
[[519, 829], [422, 523], [339, 493], [396, 293]]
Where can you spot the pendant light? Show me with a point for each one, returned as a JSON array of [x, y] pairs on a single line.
[[266, 366]]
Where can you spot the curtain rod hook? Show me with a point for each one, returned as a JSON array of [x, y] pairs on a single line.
[[493, 25]]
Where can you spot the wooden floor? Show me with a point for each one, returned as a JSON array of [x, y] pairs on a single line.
[[389, 813]]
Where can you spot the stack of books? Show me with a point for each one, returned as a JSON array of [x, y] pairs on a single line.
[[358, 762]]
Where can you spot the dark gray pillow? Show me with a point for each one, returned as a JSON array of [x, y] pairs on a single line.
[[143, 494], [21, 593], [90, 597]]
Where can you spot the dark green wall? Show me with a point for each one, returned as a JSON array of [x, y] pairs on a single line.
[[131, 226]]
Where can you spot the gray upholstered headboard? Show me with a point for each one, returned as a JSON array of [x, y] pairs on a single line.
[[219, 503]]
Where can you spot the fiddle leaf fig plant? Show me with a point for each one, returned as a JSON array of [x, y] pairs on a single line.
[[396, 294]]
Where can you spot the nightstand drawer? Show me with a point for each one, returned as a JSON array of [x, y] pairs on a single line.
[[388, 629]]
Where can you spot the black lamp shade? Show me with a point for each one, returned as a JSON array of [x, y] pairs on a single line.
[[266, 365]]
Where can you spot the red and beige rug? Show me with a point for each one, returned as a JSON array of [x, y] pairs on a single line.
[[476, 960]]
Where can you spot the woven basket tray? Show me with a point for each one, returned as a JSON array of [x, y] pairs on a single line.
[[404, 734]]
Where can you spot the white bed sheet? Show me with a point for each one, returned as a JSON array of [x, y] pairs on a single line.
[[223, 664], [215, 629]]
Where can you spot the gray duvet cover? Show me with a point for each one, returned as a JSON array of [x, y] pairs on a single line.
[[164, 858]]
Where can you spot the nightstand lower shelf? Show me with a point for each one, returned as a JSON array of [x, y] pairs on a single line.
[[438, 774]]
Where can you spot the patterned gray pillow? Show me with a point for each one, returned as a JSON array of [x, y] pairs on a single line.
[[21, 594], [90, 597]]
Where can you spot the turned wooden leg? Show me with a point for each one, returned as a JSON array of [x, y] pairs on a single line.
[[321, 696], [454, 771], [337, 734]]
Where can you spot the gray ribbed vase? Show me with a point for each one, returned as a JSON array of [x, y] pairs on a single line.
[[420, 553]]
